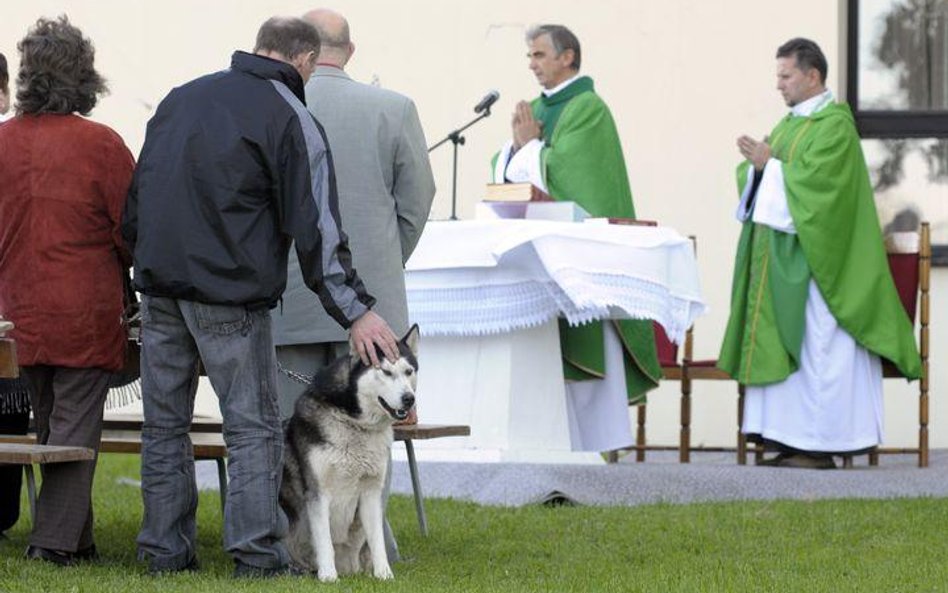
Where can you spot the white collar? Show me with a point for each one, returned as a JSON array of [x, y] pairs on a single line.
[[560, 86], [813, 104]]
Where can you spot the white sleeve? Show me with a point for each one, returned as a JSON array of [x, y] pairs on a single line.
[[524, 166], [770, 205], [500, 167], [743, 206]]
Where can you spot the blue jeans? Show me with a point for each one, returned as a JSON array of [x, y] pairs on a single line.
[[235, 345]]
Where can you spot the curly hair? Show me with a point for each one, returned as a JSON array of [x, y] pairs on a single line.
[[57, 72]]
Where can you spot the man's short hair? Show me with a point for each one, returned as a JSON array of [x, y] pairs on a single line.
[[57, 70], [288, 36], [562, 38], [807, 53]]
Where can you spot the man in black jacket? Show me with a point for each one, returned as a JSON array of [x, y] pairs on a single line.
[[233, 169]]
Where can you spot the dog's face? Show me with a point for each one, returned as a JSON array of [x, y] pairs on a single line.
[[388, 392]]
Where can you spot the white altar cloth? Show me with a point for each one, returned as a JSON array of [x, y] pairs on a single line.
[[484, 277], [487, 296]]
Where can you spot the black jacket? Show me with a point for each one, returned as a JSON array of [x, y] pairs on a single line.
[[233, 169]]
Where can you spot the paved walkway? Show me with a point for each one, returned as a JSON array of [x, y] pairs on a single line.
[[710, 477]]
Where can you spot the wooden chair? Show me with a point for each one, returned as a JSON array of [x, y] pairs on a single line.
[[707, 370], [672, 370], [910, 260], [684, 370]]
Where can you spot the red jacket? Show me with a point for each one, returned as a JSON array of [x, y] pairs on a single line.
[[63, 182]]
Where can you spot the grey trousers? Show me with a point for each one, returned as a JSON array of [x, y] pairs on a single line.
[[235, 346], [308, 359], [67, 407]]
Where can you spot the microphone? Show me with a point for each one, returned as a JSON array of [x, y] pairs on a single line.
[[488, 100]]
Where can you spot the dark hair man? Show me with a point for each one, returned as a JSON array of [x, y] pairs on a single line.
[[804, 334], [233, 169]]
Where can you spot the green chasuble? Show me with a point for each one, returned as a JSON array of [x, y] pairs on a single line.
[[838, 243], [582, 161]]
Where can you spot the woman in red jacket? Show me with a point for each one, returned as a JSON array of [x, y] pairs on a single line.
[[63, 181]]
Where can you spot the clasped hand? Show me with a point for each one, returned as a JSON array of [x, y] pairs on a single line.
[[525, 127], [756, 151]]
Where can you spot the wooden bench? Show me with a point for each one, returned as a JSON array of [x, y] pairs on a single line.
[[123, 435], [26, 453]]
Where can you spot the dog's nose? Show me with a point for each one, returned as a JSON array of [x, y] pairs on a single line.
[[408, 400]]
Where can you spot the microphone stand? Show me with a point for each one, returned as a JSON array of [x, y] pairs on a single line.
[[456, 138]]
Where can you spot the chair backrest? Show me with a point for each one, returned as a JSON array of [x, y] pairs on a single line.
[[667, 350], [904, 252]]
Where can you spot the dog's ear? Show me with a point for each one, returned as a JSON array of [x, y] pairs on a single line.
[[354, 358], [411, 339]]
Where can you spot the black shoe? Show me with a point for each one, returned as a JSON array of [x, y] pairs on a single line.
[[774, 461], [249, 571], [89, 554], [191, 566], [57, 557], [801, 461]]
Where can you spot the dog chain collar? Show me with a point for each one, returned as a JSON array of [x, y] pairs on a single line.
[[298, 377]]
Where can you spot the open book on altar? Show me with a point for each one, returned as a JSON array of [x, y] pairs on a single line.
[[515, 192]]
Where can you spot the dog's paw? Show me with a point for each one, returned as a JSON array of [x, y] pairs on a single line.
[[383, 573], [328, 576]]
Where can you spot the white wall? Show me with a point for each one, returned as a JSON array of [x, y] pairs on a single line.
[[683, 77]]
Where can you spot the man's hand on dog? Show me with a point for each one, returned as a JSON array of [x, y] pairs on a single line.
[[370, 331]]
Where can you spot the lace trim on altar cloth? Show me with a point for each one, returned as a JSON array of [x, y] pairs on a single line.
[[578, 296]]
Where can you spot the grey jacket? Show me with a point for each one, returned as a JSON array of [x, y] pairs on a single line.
[[385, 192]]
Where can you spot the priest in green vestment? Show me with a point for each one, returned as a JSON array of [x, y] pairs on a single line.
[[814, 307], [565, 142]]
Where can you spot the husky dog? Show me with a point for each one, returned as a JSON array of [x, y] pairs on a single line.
[[337, 449]]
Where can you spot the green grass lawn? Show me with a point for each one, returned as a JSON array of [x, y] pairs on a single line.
[[833, 546]]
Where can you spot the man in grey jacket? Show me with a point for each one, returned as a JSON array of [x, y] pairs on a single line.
[[385, 192]]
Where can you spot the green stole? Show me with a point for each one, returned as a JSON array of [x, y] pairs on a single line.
[[838, 242], [582, 161]]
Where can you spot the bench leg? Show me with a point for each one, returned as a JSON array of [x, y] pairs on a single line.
[[222, 479], [30, 490], [416, 488]]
